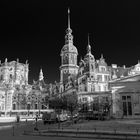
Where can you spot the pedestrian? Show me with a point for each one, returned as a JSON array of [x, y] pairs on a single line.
[[18, 118]]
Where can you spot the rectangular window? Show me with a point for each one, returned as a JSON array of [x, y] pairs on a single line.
[[99, 88], [14, 106], [99, 78], [128, 98], [28, 106], [124, 109], [42, 106], [35, 106], [102, 69], [123, 97], [106, 78], [129, 108], [127, 105]]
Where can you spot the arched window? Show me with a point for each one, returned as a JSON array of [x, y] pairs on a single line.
[[14, 106], [28, 106], [42, 106], [36, 105], [10, 76]]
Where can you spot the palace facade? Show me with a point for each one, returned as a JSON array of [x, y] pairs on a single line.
[[93, 78], [15, 92], [89, 78]]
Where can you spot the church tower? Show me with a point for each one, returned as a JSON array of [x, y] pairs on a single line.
[[89, 61], [68, 55], [41, 77]]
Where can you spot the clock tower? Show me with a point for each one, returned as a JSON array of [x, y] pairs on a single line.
[[68, 55]]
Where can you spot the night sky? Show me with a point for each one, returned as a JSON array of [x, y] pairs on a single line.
[[34, 31]]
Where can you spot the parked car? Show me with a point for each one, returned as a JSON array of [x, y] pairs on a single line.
[[49, 117]]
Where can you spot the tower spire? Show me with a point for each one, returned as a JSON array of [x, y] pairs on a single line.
[[88, 46], [102, 57], [88, 39], [68, 18], [68, 36]]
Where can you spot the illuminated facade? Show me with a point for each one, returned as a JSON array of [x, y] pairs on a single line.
[[125, 89], [90, 78], [13, 75], [93, 78], [16, 93]]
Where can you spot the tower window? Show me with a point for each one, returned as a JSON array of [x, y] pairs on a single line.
[[102, 68], [65, 71], [99, 78], [1, 77], [10, 76]]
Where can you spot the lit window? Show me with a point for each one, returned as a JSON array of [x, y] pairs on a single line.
[[84, 99]]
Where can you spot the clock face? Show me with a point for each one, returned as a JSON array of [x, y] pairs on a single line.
[[72, 48], [65, 49]]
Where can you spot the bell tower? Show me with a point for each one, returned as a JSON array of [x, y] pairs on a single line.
[[68, 55]]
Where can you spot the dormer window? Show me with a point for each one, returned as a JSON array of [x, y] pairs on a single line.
[[102, 68]]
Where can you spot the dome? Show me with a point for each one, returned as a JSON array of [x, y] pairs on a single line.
[[69, 48], [102, 63], [89, 55]]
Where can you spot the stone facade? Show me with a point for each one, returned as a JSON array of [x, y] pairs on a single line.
[[89, 79], [16, 93], [93, 78], [126, 91], [14, 73]]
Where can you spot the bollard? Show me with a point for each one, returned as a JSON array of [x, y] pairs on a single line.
[[126, 137], [95, 129], [13, 131], [137, 131], [77, 131]]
